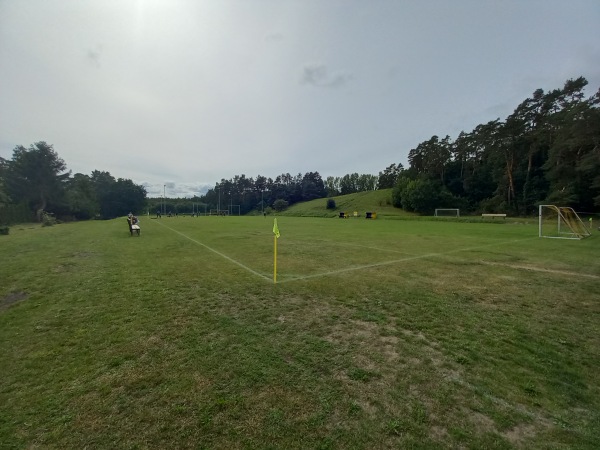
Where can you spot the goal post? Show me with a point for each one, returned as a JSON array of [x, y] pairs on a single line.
[[447, 212], [561, 222]]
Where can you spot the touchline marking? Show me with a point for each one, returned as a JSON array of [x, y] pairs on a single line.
[[218, 253], [374, 248], [410, 258], [353, 245]]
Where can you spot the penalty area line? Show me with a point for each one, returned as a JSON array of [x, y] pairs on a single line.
[[231, 260]]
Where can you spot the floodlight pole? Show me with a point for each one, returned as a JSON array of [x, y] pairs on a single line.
[[164, 199]]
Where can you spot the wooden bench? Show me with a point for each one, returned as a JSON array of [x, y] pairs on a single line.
[[493, 216], [133, 228]]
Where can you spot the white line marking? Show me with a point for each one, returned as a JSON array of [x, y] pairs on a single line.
[[374, 248], [237, 263], [539, 269], [410, 258], [347, 269]]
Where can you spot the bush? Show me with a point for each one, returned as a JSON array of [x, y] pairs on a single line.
[[48, 219], [493, 205], [280, 205], [421, 196], [4, 230], [330, 203]]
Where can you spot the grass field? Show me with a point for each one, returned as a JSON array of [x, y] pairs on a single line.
[[379, 201], [378, 334]]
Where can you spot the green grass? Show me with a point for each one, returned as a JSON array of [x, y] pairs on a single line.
[[378, 334], [379, 201]]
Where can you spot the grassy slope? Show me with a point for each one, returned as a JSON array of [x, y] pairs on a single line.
[[378, 201]]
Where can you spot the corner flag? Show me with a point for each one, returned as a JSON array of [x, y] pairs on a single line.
[[276, 233]]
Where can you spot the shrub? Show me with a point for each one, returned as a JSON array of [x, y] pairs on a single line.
[[4, 230], [280, 205], [330, 203], [48, 219], [420, 196]]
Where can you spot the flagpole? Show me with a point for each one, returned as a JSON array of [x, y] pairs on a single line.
[[275, 260], [276, 235]]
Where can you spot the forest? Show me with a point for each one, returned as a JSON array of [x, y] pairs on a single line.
[[35, 185], [546, 151]]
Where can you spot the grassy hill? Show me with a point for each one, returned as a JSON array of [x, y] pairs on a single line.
[[375, 201]]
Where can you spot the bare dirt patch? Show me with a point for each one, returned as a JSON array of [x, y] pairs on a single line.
[[520, 433], [540, 269], [14, 297]]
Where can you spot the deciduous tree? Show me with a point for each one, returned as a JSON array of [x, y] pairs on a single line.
[[37, 175]]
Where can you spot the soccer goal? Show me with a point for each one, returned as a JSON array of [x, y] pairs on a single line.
[[441, 212], [561, 222]]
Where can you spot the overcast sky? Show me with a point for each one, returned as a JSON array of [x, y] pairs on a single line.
[[184, 93]]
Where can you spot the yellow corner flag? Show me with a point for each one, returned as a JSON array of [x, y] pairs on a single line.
[[276, 233]]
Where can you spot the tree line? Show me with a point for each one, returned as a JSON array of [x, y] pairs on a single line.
[[36, 182], [241, 194], [546, 151]]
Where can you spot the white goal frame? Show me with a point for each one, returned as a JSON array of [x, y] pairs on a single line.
[[456, 210], [560, 222]]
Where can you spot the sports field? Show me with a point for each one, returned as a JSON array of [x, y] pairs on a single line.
[[378, 334]]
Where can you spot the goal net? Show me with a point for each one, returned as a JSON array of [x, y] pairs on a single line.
[[561, 222], [445, 212]]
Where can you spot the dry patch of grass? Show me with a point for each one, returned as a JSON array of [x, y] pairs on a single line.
[[12, 298], [541, 269]]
